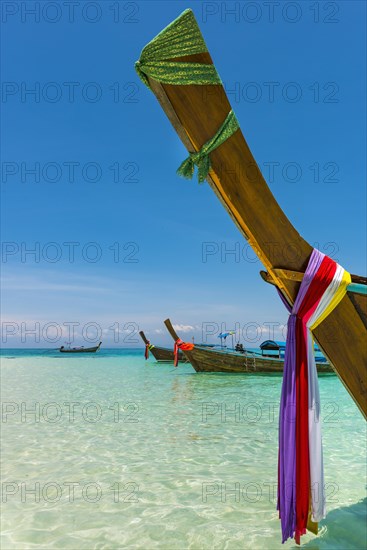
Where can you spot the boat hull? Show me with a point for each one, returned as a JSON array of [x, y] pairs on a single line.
[[210, 360], [164, 354]]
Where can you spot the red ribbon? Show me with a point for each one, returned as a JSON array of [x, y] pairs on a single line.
[[181, 345], [146, 354]]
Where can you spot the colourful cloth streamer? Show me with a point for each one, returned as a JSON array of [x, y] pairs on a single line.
[[184, 346], [301, 496], [147, 348]]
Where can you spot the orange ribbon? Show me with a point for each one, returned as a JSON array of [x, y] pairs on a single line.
[[184, 346]]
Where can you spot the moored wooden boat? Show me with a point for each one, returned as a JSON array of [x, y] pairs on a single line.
[[159, 353], [197, 111], [93, 349], [205, 359]]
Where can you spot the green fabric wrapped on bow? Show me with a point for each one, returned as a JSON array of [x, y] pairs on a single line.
[[202, 158], [181, 38]]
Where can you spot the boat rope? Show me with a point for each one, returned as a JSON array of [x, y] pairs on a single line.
[[202, 157], [301, 488], [180, 38], [181, 345]]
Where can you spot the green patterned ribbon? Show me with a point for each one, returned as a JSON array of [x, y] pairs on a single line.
[[202, 158], [181, 38]]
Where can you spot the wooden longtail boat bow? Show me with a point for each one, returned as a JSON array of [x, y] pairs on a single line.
[[159, 353], [196, 112]]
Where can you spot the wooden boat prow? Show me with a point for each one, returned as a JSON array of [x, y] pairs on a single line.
[[196, 112], [159, 353]]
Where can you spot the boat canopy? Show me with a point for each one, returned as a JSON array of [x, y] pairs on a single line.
[[273, 345], [278, 346]]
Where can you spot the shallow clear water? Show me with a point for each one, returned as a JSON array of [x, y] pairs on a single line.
[[123, 453]]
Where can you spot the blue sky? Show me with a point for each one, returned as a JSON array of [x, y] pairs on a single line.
[[106, 156]]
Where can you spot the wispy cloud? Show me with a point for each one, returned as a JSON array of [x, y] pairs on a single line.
[[59, 281], [183, 328], [30, 283]]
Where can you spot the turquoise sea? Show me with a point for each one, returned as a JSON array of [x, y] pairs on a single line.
[[109, 451]]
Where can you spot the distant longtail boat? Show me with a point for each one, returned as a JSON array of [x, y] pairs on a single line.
[[81, 349]]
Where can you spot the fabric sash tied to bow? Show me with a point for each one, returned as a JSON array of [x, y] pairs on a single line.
[[181, 345], [180, 38], [301, 490], [147, 348], [202, 157]]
